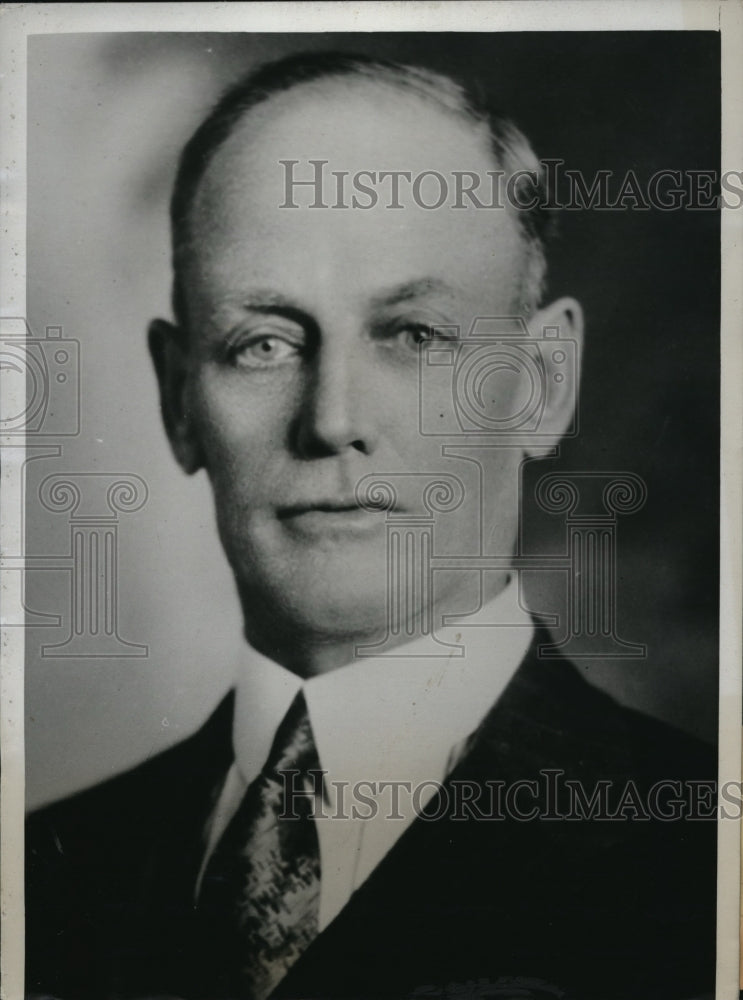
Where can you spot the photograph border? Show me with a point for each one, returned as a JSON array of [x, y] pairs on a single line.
[[22, 20]]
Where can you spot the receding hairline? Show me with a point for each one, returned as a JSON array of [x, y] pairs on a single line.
[[346, 87], [438, 92], [268, 115], [502, 141]]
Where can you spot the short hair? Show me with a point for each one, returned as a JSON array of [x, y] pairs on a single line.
[[511, 149]]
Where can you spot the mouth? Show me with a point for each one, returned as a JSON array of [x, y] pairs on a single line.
[[329, 506], [330, 517]]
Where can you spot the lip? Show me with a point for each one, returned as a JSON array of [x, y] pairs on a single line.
[[330, 517], [329, 506]]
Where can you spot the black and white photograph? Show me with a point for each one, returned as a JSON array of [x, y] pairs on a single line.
[[366, 491]]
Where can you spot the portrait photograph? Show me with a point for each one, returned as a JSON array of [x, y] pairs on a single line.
[[363, 461]]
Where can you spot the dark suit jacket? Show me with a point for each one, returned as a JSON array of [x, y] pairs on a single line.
[[580, 908]]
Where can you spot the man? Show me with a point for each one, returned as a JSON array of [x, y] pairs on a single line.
[[240, 863]]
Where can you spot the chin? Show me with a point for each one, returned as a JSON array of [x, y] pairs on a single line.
[[348, 618], [318, 599]]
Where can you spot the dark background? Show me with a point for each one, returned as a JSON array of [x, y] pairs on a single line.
[[108, 115]]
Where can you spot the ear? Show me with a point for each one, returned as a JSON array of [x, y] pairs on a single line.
[[169, 351], [558, 327]]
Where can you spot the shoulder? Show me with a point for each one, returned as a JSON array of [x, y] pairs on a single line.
[[133, 805], [550, 713], [100, 863], [596, 810]]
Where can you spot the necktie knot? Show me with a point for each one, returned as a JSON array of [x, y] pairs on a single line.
[[293, 747]]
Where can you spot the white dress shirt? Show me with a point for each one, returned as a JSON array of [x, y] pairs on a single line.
[[401, 718]]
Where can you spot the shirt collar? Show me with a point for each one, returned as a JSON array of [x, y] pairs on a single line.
[[387, 717]]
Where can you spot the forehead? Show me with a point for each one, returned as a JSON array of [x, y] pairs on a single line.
[[244, 232]]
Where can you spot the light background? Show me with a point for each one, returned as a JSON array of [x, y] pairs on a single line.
[[107, 117]]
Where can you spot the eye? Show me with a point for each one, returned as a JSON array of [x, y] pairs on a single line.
[[264, 350], [415, 335], [418, 333]]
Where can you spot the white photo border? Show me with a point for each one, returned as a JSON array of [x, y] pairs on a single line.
[[22, 20]]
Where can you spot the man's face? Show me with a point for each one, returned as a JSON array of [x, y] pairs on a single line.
[[304, 328]]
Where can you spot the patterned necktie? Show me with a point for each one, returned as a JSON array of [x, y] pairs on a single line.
[[260, 894]]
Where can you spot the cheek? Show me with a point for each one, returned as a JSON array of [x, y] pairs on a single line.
[[237, 426], [392, 399]]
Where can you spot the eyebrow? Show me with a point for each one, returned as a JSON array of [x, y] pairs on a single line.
[[265, 300], [268, 300], [412, 290]]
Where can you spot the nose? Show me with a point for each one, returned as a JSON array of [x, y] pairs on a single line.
[[336, 412]]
